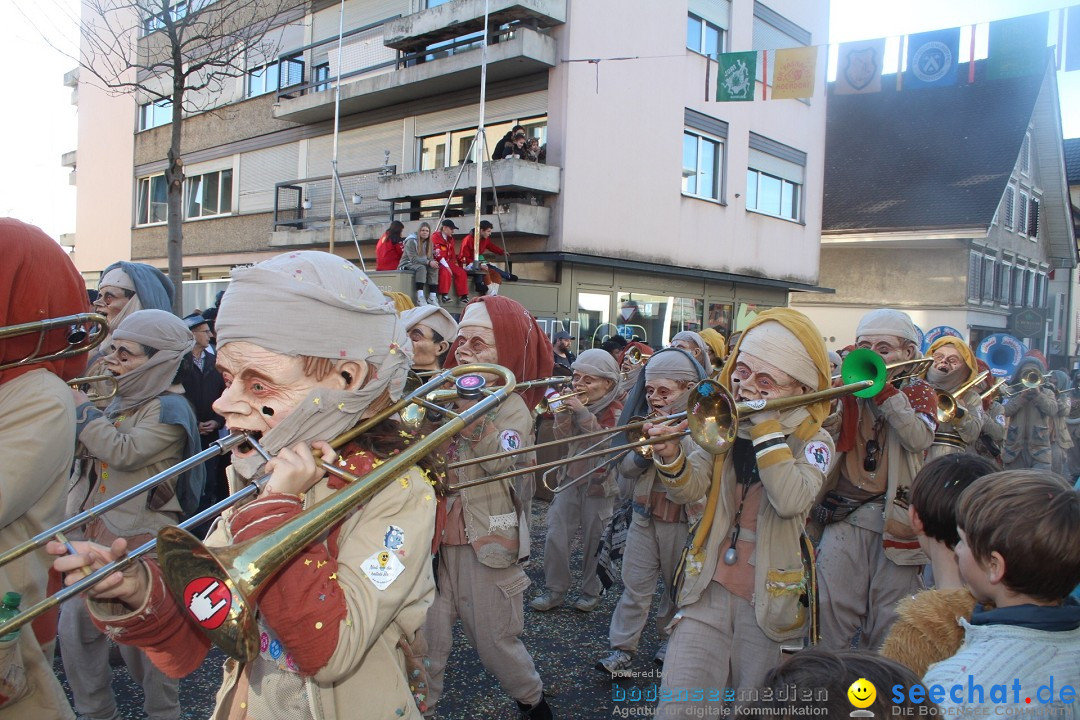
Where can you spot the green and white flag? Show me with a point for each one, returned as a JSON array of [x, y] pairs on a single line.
[[737, 76]]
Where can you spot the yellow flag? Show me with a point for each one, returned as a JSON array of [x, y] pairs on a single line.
[[794, 73]]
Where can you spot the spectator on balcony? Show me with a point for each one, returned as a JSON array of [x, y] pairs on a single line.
[[487, 278], [532, 149], [449, 267], [389, 248], [418, 259], [507, 142]]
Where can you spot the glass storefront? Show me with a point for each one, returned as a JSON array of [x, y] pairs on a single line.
[[593, 316], [654, 319]]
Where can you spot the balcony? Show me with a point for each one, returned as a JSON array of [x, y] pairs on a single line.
[[529, 225], [507, 175], [513, 52], [69, 158], [454, 19]]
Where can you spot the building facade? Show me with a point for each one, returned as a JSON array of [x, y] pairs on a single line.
[[951, 204], [657, 208]]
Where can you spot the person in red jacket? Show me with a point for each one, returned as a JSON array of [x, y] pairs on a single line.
[[486, 276], [449, 266], [389, 247]]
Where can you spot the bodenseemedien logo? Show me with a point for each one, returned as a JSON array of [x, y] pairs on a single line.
[[862, 694]]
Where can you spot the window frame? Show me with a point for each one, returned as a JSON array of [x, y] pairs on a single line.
[[720, 151], [1010, 207], [140, 198], [163, 106], [783, 183], [1005, 284], [1025, 155], [260, 71], [1034, 208], [989, 279], [537, 123], [1021, 219], [704, 25], [221, 173]]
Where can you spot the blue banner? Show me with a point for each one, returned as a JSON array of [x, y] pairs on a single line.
[[932, 59]]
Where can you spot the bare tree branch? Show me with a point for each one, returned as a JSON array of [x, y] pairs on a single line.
[[180, 51]]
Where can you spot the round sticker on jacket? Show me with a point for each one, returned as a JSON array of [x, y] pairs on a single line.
[[818, 454], [510, 439]]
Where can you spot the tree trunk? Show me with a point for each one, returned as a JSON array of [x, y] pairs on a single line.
[[174, 179]]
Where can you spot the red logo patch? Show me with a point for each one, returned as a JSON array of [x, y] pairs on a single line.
[[208, 600]]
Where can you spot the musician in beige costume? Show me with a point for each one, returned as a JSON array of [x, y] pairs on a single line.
[[658, 526], [740, 594], [334, 624], [955, 366], [486, 537]]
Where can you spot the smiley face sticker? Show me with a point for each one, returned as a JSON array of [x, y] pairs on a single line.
[[862, 693]]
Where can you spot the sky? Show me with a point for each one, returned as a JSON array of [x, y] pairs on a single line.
[[40, 124]]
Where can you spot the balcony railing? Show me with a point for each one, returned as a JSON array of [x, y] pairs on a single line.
[[364, 55], [304, 203]]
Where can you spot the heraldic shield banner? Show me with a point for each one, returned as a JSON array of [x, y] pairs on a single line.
[[737, 77]]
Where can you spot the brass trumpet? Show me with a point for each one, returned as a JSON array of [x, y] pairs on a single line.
[[948, 404], [110, 380], [555, 404], [79, 339], [634, 356]]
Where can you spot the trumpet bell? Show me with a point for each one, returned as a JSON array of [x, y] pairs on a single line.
[[864, 364], [709, 413]]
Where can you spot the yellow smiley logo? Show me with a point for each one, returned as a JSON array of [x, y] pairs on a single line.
[[862, 693]]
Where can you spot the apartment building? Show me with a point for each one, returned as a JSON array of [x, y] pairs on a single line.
[[657, 210]]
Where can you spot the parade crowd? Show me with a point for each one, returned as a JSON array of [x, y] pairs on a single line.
[[810, 528]]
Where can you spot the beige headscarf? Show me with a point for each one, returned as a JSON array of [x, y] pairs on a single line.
[[599, 363], [167, 334], [314, 304]]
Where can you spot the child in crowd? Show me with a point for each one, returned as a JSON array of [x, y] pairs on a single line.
[[1019, 549], [926, 630]]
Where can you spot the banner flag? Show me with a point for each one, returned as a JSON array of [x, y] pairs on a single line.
[[794, 73], [736, 77], [1017, 46], [859, 68], [932, 57]]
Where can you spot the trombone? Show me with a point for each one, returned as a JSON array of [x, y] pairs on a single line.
[[79, 339], [1030, 380], [243, 569], [111, 381], [431, 404], [713, 416], [948, 404], [994, 389]]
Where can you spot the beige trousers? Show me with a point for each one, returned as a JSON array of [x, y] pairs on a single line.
[[715, 649], [652, 548], [85, 651], [859, 587], [571, 509], [488, 601]]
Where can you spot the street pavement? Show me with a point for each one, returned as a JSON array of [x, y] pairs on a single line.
[[565, 645]]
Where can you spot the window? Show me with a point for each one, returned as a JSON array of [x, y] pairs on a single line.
[[155, 114], [1021, 214], [156, 21], [1018, 286], [1005, 284], [1029, 287], [1025, 155], [974, 280], [208, 195], [1010, 197], [656, 318], [152, 201], [702, 162], [262, 80], [988, 277], [321, 75], [703, 37], [451, 148], [774, 178], [290, 71], [1033, 218]]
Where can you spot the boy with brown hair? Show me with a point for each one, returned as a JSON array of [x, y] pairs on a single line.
[[926, 630], [1019, 549]]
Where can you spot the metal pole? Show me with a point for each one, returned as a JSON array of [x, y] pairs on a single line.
[[482, 145], [337, 122]]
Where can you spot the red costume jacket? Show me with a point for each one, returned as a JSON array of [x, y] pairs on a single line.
[[466, 257]]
